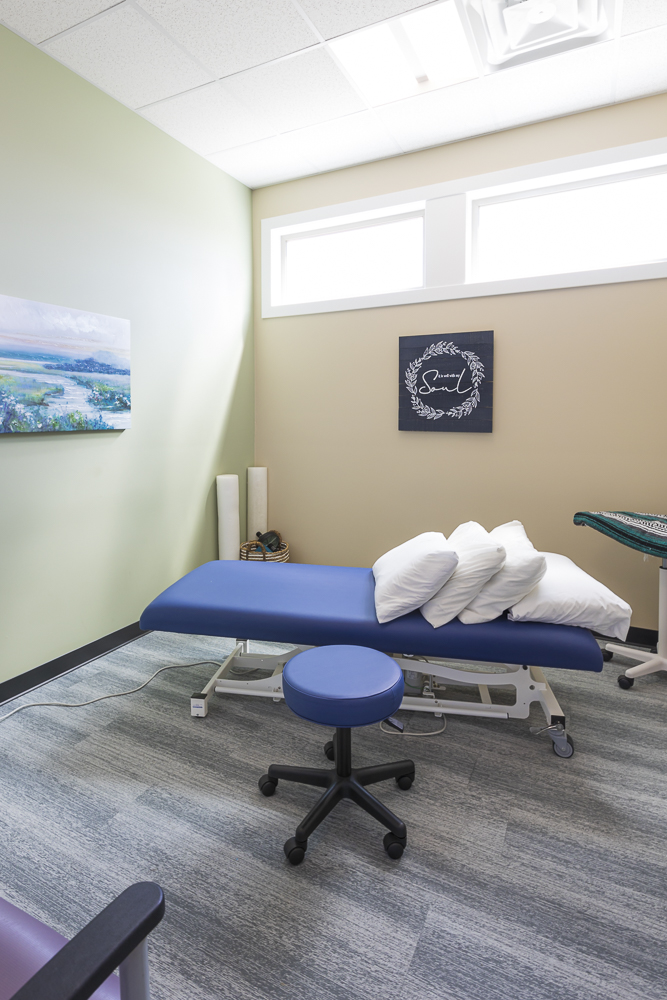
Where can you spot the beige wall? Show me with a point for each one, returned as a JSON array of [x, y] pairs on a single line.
[[580, 408], [101, 211]]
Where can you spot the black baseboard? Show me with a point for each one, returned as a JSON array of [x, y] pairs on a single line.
[[16, 686], [644, 637]]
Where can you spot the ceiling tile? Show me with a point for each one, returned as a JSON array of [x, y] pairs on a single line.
[[335, 17], [208, 119], [340, 143], [270, 161], [38, 21], [555, 85], [638, 15], [303, 90], [642, 64], [441, 115], [232, 35], [124, 54]]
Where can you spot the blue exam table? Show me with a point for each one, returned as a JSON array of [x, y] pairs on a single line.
[[306, 605]]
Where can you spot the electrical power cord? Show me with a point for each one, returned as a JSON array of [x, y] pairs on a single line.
[[174, 666], [394, 732], [103, 697]]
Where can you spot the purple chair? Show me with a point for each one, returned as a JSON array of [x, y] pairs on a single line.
[[36, 963]]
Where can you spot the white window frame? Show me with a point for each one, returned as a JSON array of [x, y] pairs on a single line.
[[412, 211], [450, 210]]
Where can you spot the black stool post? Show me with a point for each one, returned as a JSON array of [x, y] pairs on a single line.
[[343, 752]]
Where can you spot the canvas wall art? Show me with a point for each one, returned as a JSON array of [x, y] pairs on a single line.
[[62, 369], [445, 382]]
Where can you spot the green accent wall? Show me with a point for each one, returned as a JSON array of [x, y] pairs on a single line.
[[101, 211]]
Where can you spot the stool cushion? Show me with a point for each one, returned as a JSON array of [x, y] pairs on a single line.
[[343, 686]]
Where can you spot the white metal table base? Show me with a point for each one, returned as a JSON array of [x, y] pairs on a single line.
[[425, 674], [649, 663]]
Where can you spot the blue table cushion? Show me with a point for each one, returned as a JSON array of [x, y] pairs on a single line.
[[343, 686], [308, 605]]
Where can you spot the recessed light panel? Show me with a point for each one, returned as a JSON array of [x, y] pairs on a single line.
[[409, 55], [440, 42]]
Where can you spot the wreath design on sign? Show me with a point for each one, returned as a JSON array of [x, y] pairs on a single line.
[[465, 408]]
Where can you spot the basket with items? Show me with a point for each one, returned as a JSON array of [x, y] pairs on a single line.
[[269, 547]]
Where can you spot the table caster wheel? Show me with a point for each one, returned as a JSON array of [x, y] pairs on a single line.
[[625, 682], [394, 846], [295, 850], [267, 785], [329, 750], [560, 752], [405, 781], [607, 655]]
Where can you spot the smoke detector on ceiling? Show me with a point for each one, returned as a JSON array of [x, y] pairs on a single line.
[[513, 31]]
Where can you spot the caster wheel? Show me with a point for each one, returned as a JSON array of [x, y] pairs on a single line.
[[607, 655], [564, 753], [267, 785], [394, 846], [625, 682], [295, 850], [329, 750], [405, 781]]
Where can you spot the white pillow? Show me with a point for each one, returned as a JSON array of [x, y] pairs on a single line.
[[480, 556], [408, 575], [524, 568], [567, 596]]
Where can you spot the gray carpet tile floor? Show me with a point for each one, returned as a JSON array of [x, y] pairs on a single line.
[[526, 877]]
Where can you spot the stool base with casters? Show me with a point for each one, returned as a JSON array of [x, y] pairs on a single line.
[[343, 782], [343, 687]]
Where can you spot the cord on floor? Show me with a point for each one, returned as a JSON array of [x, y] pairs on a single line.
[[103, 697], [394, 732]]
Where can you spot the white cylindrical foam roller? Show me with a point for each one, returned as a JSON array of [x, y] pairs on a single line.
[[229, 530], [257, 501]]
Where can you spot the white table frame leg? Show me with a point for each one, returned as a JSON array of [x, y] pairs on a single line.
[[649, 663]]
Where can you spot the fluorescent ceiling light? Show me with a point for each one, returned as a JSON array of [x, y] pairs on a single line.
[[421, 51]]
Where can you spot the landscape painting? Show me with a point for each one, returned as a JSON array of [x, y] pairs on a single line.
[[62, 369]]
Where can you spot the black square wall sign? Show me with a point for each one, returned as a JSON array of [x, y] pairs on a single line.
[[445, 382]]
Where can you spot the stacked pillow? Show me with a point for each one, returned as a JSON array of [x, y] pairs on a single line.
[[568, 596], [408, 575], [480, 558], [477, 575], [523, 569]]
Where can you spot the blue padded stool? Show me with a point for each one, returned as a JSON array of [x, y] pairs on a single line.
[[343, 686]]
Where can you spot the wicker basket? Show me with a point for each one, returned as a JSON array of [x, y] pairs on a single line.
[[255, 553]]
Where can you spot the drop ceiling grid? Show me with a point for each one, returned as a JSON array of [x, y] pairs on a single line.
[[209, 119], [337, 17], [231, 37], [237, 79], [126, 55], [39, 22]]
